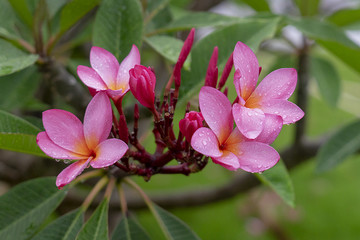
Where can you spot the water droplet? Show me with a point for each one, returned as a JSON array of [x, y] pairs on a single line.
[[276, 112], [58, 160], [66, 161], [204, 142]]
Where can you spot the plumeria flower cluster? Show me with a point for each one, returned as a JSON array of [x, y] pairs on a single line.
[[105, 139]]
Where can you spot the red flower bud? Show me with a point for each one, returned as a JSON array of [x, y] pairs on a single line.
[[212, 71], [188, 125], [142, 85]]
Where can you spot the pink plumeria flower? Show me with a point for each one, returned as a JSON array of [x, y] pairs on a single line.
[[65, 137], [106, 73], [225, 145], [270, 97]]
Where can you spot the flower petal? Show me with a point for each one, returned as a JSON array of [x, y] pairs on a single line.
[[289, 111], [71, 172], [279, 84], [105, 64], [228, 160], [108, 152], [272, 128], [65, 130], [249, 121], [246, 62], [205, 141], [53, 150], [97, 120], [115, 95], [216, 110], [257, 157], [90, 78], [132, 59]]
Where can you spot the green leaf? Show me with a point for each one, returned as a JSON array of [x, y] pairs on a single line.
[[23, 83], [279, 180], [320, 30], [251, 33], [349, 55], [118, 25], [200, 19], [96, 228], [129, 229], [258, 5], [342, 144], [26, 206], [65, 227], [13, 59], [168, 47], [327, 79], [22, 9], [345, 17], [74, 11], [172, 226], [308, 7], [18, 135]]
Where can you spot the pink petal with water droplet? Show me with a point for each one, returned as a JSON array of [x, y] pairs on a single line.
[[53, 150], [257, 157], [90, 78], [105, 64], [216, 110], [97, 120], [289, 111], [249, 121], [228, 160], [71, 172], [279, 84], [205, 141], [246, 62], [65, 130], [108, 152], [115, 95], [272, 128], [132, 59]]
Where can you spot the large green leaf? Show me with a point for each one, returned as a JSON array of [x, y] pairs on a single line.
[[129, 229], [118, 25], [321, 30], [172, 226], [65, 227], [279, 180], [96, 228], [12, 59], [18, 135], [258, 5], [23, 83], [308, 7], [22, 9], [73, 11], [253, 32], [327, 79], [26, 206], [168, 47], [341, 145], [345, 17]]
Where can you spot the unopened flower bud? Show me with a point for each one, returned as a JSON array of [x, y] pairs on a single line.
[[142, 85], [188, 125]]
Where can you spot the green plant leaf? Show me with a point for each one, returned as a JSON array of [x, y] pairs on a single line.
[[118, 25], [22, 9], [251, 33], [168, 47], [327, 79], [342, 144], [308, 7], [321, 30], [129, 229], [172, 226], [258, 5], [96, 228], [65, 227], [26, 206], [345, 17], [279, 180], [13, 59], [74, 11], [18, 135], [23, 83], [349, 55]]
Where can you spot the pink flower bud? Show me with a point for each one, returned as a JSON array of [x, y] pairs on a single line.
[[212, 71], [142, 85], [188, 125]]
